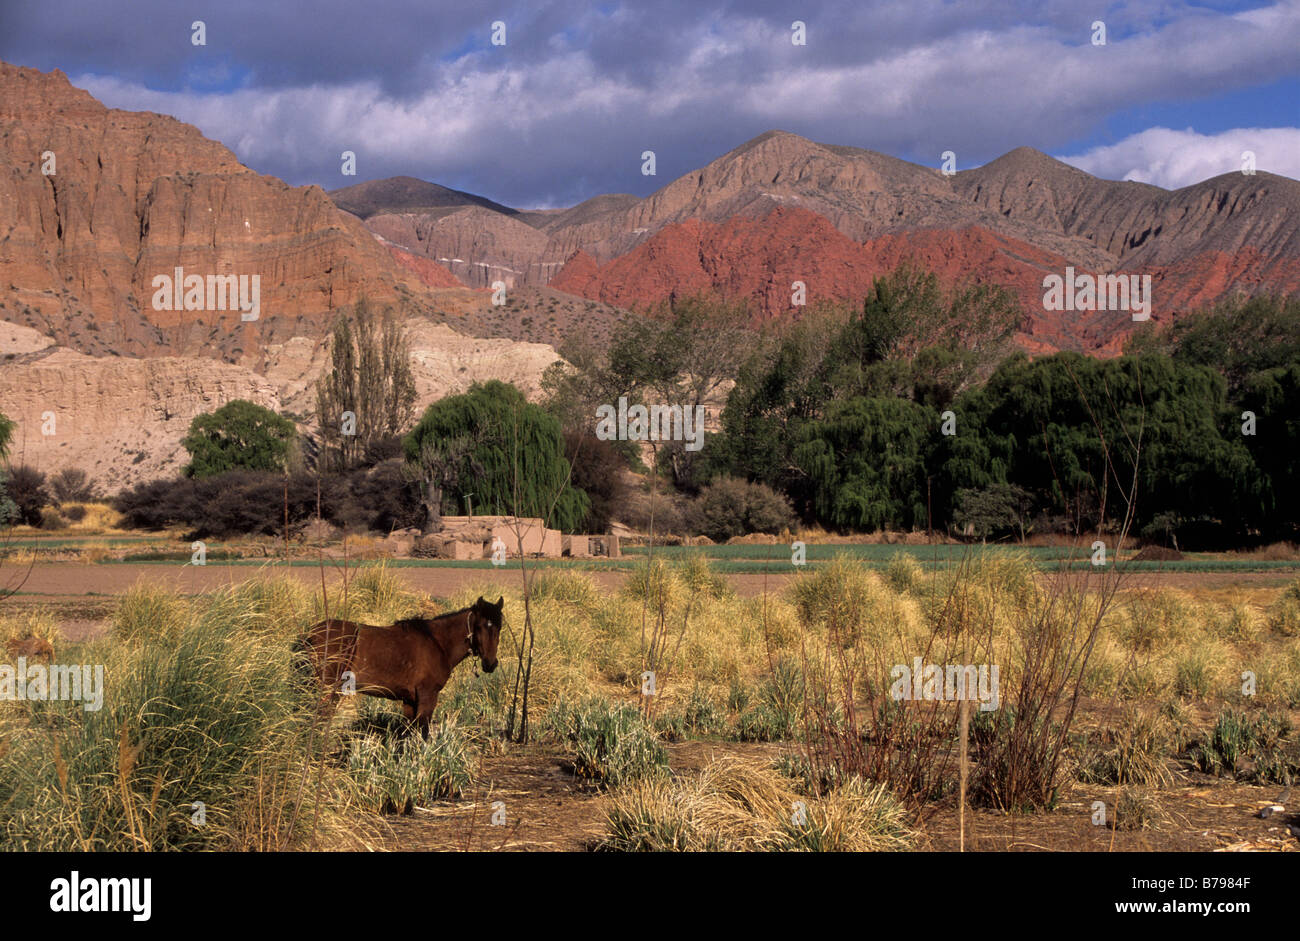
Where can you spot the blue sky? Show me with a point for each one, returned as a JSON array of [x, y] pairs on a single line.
[[565, 108]]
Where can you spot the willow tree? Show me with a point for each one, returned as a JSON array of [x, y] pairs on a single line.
[[508, 450]]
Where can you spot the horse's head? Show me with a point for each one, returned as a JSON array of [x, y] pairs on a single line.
[[485, 631]]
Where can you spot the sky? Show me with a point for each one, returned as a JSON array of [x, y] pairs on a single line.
[[564, 108]]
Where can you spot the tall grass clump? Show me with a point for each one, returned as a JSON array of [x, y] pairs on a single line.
[[270, 603], [737, 806], [28, 624], [1136, 750], [397, 770], [609, 744], [203, 741], [1254, 746], [1284, 614], [149, 611]]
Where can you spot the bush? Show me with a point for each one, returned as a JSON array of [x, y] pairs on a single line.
[[1136, 808], [774, 715], [241, 503], [732, 507], [72, 485], [1284, 613], [52, 519], [609, 744], [1135, 751], [149, 612], [699, 715], [903, 573], [27, 489]]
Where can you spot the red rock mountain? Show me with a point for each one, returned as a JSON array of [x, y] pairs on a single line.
[[781, 208], [133, 195]]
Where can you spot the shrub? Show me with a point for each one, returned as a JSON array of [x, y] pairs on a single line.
[[247, 502], [72, 485], [208, 714], [1250, 747], [774, 714], [1134, 751], [26, 487], [1284, 613], [1136, 808], [52, 519], [149, 612], [732, 507], [903, 573], [566, 586], [699, 715]]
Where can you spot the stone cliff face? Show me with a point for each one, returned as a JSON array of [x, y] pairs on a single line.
[[119, 419], [133, 195], [476, 245]]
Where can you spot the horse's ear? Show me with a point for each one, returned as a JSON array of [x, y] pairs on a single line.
[[480, 600], [501, 602]]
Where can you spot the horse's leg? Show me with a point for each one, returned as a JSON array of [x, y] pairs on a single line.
[[428, 701]]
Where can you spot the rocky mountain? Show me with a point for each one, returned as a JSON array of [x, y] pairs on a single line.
[[781, 208], [96, 203]]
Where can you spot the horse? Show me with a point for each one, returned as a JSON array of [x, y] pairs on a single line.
[[409, 661]]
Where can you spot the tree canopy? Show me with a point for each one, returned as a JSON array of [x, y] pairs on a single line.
[[238, 436], [509, 453]]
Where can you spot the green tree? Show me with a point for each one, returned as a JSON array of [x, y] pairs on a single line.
[[510, 451], [911, 339], [1272, 397], [995, 510], [8, 509], [683, 353], [1237, 337], [238, 436], [866, 463], [1083, 435]]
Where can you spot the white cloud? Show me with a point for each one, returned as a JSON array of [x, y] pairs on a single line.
[[563, 127], [1173, 159]]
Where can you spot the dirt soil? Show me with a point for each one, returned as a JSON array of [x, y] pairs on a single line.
[[548, 809]]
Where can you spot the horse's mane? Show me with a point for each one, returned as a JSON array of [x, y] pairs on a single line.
[[437, 617]]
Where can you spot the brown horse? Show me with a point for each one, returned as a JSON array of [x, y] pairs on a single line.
[[409, 661]]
